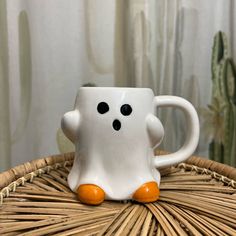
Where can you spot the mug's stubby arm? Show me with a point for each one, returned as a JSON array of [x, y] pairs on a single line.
[[192, 123], [155, 130], [70, 124]]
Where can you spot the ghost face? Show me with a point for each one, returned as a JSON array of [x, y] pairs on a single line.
[[114, 113], [125, 110]]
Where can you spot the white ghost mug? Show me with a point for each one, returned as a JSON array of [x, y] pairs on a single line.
[[115, 131]]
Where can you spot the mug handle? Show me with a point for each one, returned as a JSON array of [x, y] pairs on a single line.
[[192, 138]]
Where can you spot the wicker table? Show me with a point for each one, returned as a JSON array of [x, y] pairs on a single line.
[[197, 198]]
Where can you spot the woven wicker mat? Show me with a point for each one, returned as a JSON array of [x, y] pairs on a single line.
[[197, 198]]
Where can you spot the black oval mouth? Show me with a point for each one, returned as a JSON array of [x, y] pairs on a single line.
[[116, 125]]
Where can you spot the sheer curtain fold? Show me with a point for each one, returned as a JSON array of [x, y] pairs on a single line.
[[50, 48], [5, 136]]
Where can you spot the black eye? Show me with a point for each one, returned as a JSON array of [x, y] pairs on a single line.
[[102, 107], [126, 109]]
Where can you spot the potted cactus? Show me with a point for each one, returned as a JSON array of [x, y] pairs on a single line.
[[221, 113]]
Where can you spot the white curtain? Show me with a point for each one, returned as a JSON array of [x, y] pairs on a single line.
[[49, 48]]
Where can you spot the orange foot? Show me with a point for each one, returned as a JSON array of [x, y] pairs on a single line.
[[90, 194], [148, 192]]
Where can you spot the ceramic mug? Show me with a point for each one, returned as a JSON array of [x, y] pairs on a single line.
[[115, 131]]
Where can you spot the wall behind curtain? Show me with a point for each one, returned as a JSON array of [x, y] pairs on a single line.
[[48, 49]]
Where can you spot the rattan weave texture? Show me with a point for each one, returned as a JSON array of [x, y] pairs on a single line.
[[197, 198]]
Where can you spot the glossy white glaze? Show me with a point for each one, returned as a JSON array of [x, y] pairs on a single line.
[[115, 151]]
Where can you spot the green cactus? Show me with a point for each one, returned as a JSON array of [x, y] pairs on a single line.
[[224, 92]]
